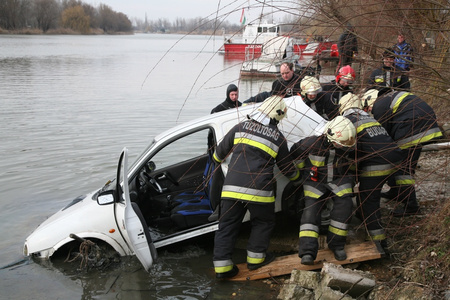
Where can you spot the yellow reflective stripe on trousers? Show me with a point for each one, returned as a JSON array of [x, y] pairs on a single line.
[[344, 192], [377, 170], [223, 269], [248, 197], [311, 194], [337, 231], [378, 237], [253, 260], [256, 144], [307, 233]]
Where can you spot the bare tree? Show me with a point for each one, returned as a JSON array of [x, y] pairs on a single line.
[[47, 14]]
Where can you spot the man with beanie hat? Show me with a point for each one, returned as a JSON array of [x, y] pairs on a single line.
[[231, 101]]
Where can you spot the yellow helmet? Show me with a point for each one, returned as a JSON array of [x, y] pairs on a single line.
[[348, 101], [310, 85], [369, 97], [273, 107], [341, 130]]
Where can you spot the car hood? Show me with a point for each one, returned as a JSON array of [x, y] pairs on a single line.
[[79, 218]]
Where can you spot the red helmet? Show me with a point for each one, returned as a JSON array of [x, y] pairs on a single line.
[[346, 72]]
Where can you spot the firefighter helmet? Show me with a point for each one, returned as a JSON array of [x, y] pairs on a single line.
[[348, 101], [346, 72], [369, 97], [341, 131], [274, 107], [310, 85]]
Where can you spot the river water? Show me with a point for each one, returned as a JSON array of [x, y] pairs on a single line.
[[69, 104]]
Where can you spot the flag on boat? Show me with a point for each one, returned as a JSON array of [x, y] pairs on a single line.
[[243, 19]]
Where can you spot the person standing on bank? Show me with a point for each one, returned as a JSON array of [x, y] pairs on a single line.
[[254, 145], [231, 101], [347, 46], [403, 54], [411, 122], [325, 160], [386, 78]]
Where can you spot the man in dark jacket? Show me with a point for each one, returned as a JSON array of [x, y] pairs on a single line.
[[324, 160], [289, 83], [231, 101], [387, 78], [347, 46], [255, 146], [410, 122]]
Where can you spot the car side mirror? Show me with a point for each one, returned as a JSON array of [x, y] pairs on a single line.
[[105, 198]]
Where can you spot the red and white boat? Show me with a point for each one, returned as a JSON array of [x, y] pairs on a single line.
[[251, 41]]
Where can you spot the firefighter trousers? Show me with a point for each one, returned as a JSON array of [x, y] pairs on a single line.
[[340, 216], [262, 220], [402, 183], [369, 204]]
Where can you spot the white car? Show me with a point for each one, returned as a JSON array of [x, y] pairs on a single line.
[[168, 194]]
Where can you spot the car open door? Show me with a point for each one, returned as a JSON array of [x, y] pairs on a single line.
[[135, 225]]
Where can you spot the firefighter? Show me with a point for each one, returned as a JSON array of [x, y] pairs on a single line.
[[312, 95], [336, 89], [410, 122], [254, 145], [377, 157], [386, 78], [324, 160]]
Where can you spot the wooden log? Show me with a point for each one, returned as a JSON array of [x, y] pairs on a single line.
[[284, 265]]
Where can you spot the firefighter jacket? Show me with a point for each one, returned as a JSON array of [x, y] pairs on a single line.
[[386, 79], [331, 94], [322, 163], [409, 120], [255, 149], [376, 152]]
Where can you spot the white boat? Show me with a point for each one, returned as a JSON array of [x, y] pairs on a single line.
[[251, 40]]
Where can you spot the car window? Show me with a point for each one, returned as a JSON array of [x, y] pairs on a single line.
[[182, 149]]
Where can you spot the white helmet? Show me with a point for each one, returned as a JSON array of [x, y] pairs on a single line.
[[369, 97], [273, 107], [348, 101], [341, 130], [310, 85]]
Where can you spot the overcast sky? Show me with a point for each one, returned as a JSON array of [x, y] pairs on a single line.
[[171, 9]]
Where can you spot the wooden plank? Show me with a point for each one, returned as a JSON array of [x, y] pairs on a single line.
[[284, 265]]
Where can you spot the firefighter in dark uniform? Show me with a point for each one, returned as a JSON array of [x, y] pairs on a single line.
[[386, 78], [336, 89], [325, 160], [377, 157], [255, 146], [410, 122], [312, 95]]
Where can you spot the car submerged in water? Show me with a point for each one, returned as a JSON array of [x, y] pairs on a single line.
[[170, 192]]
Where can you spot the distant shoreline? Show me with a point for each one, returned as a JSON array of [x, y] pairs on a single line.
[[97, 31]]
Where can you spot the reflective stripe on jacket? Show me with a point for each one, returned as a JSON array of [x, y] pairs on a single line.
[[255, 149], [409, 120]]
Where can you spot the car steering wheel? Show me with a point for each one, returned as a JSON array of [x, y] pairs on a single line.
[[150, 181]]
